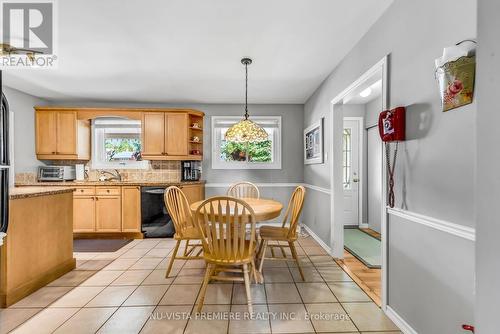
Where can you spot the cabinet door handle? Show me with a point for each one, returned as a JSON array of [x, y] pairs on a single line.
[[97, 198]]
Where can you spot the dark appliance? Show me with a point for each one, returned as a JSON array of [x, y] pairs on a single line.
[[155, 220], [191, 170], [4, 161]]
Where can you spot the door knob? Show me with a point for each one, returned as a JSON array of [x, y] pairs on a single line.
[[355, 180]]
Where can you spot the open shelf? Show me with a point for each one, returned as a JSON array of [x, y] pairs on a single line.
[[195, 147]]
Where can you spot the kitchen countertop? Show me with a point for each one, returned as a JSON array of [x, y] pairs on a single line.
[[107, 183], [27, 192]]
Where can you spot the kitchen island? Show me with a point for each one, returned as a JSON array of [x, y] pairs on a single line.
[[38, 247]]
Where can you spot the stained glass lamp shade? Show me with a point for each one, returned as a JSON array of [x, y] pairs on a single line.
[[246, 131]]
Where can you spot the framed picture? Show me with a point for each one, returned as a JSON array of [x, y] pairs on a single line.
[[313, 143]]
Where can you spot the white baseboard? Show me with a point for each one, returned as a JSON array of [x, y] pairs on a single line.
[[398, 321], [318, 239], [364, 226]]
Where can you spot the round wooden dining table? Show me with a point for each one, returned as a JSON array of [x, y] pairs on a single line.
[[264, 209]]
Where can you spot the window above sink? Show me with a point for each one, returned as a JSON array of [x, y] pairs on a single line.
[[117, 144]]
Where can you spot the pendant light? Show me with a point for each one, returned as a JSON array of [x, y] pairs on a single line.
[[246, 131]]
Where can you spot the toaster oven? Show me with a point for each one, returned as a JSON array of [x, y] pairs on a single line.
[[56, 173]]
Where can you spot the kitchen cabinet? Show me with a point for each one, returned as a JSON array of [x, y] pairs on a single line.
[[97, 209], [63, 133], [108, 213], [45, 129], [153, 134], [176, 134], [60, 135], [83, 214], [131, 209], [166, 136], [193, 192]]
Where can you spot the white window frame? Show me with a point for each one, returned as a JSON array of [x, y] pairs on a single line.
[[217, 163], [98, 153]]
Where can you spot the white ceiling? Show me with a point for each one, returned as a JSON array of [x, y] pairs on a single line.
[[189, 51]]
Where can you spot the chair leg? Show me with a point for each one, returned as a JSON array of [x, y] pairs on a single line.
[[186, 248], [260, 249], [256, 275], [172, 259], [272, 251], [247, 287], [283, 251], [294, 254], [263, 255], [203, 291]]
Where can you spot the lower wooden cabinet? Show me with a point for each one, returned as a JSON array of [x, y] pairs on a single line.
[[115, 209], [193, 192], [83, 213], [93, 212], [131, 209], [108, 214]]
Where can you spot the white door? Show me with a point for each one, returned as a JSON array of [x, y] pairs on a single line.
[[350, 171]]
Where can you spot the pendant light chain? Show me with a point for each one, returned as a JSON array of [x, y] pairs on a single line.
[[246, 90]]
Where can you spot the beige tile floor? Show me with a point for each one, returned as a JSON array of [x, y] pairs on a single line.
[[127, 292]]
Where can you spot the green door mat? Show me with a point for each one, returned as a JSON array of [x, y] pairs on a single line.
[[363, 246]]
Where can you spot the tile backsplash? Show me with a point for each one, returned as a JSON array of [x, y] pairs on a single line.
[[169, 171]]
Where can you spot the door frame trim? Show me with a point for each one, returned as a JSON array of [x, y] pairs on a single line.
[[336, 207], [361, 175]]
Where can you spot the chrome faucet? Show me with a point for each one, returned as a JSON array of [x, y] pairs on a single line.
[[116, 176]]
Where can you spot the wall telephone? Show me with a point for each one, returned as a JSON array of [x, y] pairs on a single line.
[[392, 128], [391, 124]]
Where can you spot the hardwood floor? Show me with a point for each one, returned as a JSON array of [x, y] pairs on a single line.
[[371, 232], [368, 279]]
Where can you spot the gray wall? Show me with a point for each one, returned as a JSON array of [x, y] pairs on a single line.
[[488, 160], [436, 165], [24, 129], [373, 108]]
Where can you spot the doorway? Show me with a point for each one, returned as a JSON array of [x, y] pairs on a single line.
[[358, 208]]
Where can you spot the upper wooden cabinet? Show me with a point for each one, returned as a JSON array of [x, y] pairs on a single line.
[[63, 133], [60, 135], [168, 135], [153, 134], [176, 134]]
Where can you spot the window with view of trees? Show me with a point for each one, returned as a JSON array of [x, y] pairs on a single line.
[[260, 155], [117, 143]]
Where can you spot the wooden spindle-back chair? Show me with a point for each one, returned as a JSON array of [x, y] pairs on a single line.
[[227, 226], [243, 190], [286, 233], [185, 227]]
